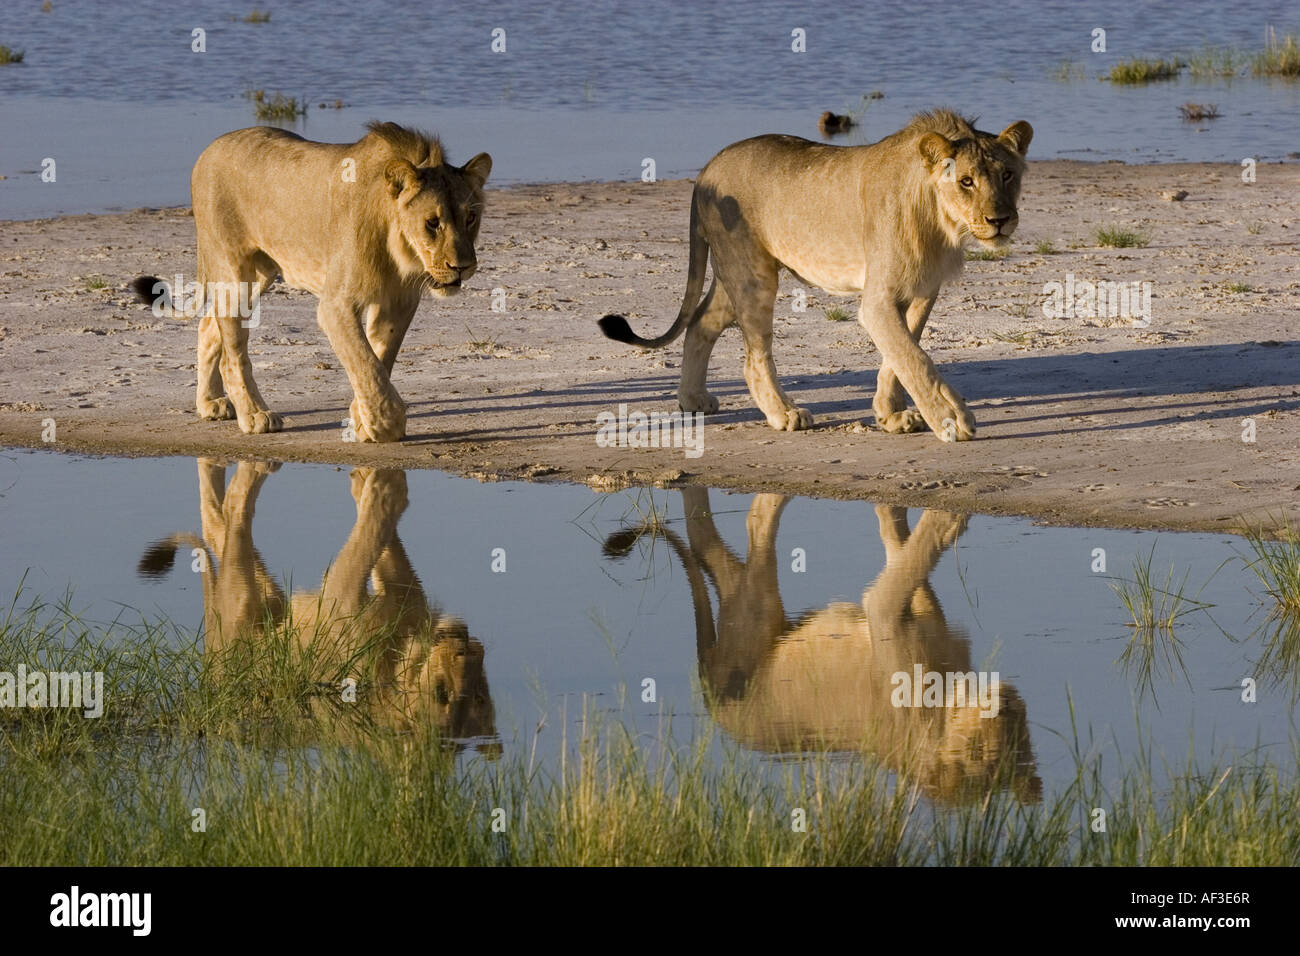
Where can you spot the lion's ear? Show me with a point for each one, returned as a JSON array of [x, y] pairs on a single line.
[[478, 169], [935, 148], [401, 176], [1017, 136]]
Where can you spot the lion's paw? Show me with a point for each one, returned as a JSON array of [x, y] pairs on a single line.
[[902, 423], [216, 409], [791, 420], [698, 402], [381, 430], [384, 424], [261, 422]]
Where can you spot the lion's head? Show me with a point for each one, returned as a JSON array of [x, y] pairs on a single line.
[[441, 682], [976, 175], [436, 208]]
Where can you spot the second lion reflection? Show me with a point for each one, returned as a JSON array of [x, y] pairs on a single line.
[[371, 609], [824, 681]]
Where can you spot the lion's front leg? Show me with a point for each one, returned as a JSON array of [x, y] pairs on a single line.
[[377, 411], [938, 402], [386, 329], [890, 401]]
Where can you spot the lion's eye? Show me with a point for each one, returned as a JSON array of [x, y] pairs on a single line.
[[967, 182], [432, 225], [470, 219], [1006, 176]]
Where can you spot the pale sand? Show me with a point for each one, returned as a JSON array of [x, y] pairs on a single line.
[[1080, 421]]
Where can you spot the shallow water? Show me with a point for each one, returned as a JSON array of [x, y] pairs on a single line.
[[713, 607], [586, 91]]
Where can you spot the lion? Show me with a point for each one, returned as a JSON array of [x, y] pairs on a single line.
[[886, 222], [427, 670], [824, 681], [365, 226]]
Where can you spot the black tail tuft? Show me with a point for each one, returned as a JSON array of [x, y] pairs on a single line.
[[147, 289], [620, 543], [615, 327], [158, 560]]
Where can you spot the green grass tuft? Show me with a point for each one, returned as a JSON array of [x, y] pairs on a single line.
[[9, 55], [1115, 237], [1130, 72]]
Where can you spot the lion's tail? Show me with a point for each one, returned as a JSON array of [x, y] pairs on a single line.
[[161, 555], [616, 327], [159, 295]]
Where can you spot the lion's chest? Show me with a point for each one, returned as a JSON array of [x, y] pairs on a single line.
[[826, 253]]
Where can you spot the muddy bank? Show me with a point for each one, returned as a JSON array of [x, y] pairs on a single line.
[[1081, 420]]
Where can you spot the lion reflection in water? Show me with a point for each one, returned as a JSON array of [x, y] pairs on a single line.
[[824, 682], [428, 671]]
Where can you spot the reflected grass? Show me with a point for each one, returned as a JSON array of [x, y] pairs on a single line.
[[1276, 565]]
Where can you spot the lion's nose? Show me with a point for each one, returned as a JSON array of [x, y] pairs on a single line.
[[997, 223], [453, 267]]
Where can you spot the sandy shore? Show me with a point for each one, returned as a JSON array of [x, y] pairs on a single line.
[[1082, 421]]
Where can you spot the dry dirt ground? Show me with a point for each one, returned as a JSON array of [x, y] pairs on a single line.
[[1085, 421]]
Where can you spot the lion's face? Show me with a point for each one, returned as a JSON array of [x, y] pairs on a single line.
[[977, 181], [451, 683], [439, 209]]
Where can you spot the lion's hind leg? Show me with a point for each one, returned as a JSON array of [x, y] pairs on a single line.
[[714, 315], [228, 300], [210, 394], [754, 302]]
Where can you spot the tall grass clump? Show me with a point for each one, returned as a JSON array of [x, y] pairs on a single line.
[[1214, 63], [1117, 237], [1279, 57]]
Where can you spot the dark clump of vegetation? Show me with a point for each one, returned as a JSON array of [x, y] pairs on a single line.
[[258, 16], [9, 55], [277, 106], [1195, 112]]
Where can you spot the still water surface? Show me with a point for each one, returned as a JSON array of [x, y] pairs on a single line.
[[115, 93], [779, 622]]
